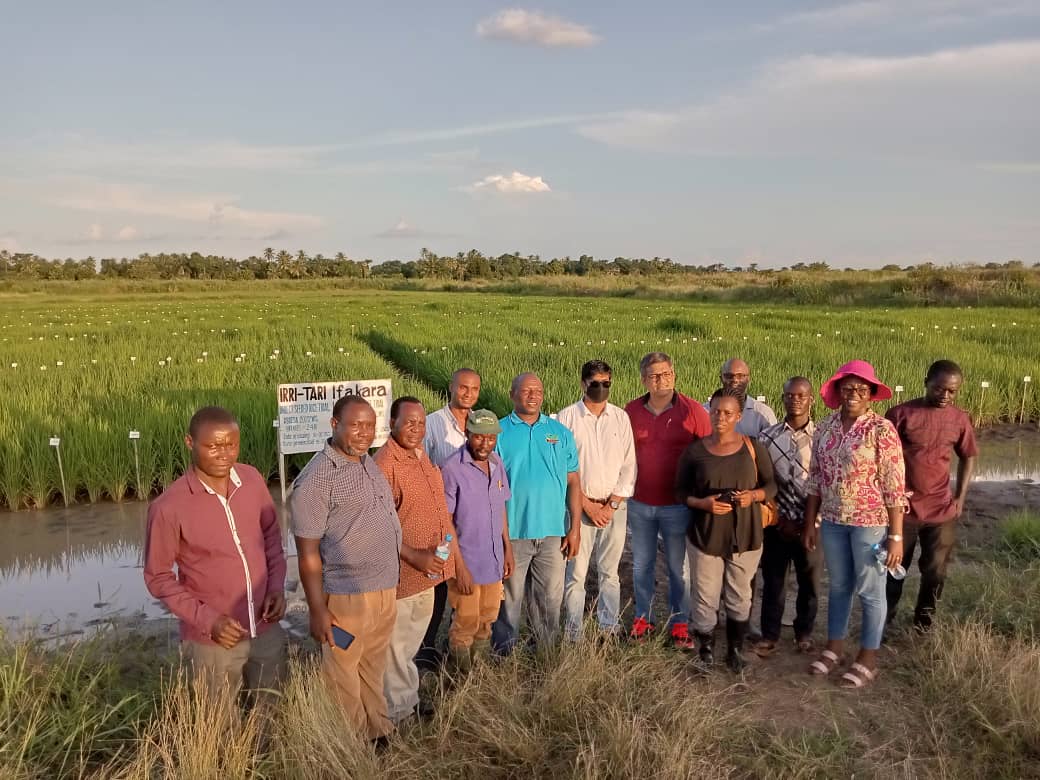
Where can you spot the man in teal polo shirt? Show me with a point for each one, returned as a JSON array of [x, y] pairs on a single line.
[[544, 513]]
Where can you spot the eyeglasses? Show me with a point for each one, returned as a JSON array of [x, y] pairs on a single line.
[[599, 383], [660, 377], [863, 391]]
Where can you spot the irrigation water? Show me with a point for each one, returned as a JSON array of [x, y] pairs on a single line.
[[66, 571]]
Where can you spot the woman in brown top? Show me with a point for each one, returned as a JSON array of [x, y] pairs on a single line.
[[723, 479]]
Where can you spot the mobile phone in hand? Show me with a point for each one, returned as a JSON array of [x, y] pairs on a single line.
[[343, 639]]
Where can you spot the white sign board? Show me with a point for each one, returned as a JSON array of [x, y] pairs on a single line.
[[304, 411]]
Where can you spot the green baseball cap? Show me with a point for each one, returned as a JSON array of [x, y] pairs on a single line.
[[483, 421]]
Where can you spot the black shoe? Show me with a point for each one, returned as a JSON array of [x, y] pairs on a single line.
[[736, 633], [706, 649]]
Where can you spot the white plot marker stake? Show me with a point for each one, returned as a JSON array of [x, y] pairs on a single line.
[[56, 443], [1025, 392], [982, 398], [899, 392], [135, 436]]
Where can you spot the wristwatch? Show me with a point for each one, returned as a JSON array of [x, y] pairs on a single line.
[[615, 504]]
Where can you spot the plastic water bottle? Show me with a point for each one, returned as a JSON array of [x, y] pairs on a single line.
[[881, 556], [443, 551]]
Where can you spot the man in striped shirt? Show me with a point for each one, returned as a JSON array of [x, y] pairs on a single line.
[[217, 523], [349, 540], [789, 443]]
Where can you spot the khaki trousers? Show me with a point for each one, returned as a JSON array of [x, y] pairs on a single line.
[[713, 577], [401, 680], [473, 614], [355, 675], [258, 663]]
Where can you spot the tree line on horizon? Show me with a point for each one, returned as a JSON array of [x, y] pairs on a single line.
[[463, 266]]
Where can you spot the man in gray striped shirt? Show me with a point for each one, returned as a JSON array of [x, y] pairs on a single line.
[[789, 443], [348, 539]]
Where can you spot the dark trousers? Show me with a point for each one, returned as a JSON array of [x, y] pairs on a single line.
[[936, 542], [778, 553], [428, 659]]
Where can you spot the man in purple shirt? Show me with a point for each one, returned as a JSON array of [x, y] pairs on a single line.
[[476, 488], [932, 430], [217, 523]]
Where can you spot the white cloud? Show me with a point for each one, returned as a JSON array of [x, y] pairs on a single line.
[[216, 211], [72, 152], [864, 13], [533, 27], [127, 233], [401, 230], [514, 182], [95, 232], [972, 104]]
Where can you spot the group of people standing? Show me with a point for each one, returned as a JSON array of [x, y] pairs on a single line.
[[501, 519]]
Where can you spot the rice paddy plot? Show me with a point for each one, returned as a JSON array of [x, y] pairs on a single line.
[[89, 371]]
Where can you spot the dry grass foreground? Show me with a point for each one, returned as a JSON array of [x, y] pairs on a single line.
[[963, 702]]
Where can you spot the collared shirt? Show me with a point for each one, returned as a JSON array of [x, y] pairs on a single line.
[[755, 418], [418, 492], [228, 552], [660, 440], [606, 450], [790, 449], [930, 437], [477, 502], [859, 473], [538, 459], [348, 506], [443, 435]]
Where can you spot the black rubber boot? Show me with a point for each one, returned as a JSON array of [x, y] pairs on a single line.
[[706, 647], [736, 633]]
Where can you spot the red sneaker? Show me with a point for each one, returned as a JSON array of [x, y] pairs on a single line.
[[681, 639], [641, 629]]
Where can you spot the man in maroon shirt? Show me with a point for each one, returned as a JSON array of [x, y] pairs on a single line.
[[664, 423], [217, 523], [932, 429]]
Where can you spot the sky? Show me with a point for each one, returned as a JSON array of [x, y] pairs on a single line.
[[858, 133]]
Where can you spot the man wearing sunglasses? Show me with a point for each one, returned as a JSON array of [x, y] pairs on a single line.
[[607, 471]]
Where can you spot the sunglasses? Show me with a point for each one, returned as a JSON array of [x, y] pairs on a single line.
[[600, 383]]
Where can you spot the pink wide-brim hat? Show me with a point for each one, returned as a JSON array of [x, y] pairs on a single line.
[[857, 368]]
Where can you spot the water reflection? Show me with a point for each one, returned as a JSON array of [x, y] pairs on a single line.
[[63, 570]]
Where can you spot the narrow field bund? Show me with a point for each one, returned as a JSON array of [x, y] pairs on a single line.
[[90, 369]]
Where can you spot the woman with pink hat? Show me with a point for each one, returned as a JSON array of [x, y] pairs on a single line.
[[857, 499]]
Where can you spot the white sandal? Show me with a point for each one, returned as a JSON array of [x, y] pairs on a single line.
[[858, 676], [825, 663]]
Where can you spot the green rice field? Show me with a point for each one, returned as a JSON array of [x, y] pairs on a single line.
[[88, 369]]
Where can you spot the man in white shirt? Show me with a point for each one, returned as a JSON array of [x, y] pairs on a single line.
[[446, 428], [445, 433], [757, 416], [607, 470]]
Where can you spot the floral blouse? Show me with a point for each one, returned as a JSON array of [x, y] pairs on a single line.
[[858, 474]]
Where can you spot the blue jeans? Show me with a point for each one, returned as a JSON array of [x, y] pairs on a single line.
[[853, 570], [538, 580], [645, 523]]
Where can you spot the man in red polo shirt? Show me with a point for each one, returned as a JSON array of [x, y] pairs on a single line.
[[664, 422], [217, 523], [932, 430]]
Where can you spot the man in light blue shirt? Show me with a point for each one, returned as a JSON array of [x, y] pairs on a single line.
[[544, 513]]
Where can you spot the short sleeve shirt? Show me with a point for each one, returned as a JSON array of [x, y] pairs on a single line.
[[349, 507], [660, 440], [443, 435], [418, 492], [478, 503], [538, 459], [930, 437]]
